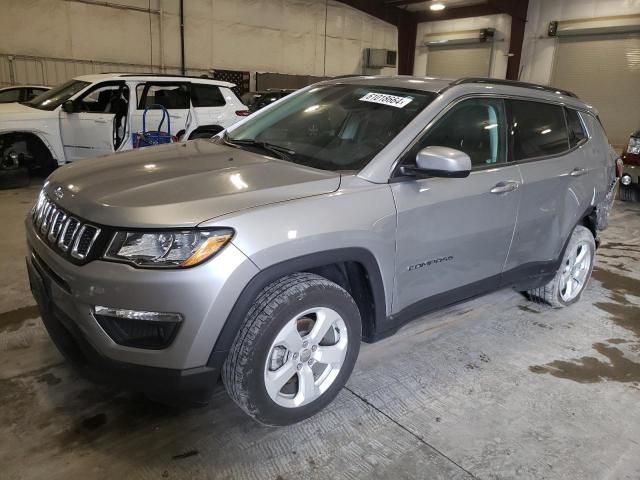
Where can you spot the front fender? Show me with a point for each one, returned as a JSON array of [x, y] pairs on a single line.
[[356, 223], [46, 131]]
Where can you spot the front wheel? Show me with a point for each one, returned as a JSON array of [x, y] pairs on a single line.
[[295, 350], [574, 272]]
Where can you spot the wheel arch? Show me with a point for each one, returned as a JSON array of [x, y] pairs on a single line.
[[213, 129], [354, 269], [32, 136]]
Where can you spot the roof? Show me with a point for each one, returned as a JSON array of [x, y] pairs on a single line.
[[470, 85], [430, 84], [98, 77]]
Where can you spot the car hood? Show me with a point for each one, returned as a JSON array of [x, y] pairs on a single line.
[[180, 185], [16, 111]]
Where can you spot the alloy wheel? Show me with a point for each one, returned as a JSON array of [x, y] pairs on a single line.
[[575, 272], [306, 357]]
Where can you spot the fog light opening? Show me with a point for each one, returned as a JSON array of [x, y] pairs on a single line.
[[138, 328]]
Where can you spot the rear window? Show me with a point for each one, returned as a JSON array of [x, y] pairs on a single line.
[[206, 95], [574, 125], [539, 129]]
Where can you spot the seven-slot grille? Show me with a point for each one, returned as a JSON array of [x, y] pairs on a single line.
[[62, 231]]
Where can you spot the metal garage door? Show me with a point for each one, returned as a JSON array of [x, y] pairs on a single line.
[[603, 70], [455, 61]]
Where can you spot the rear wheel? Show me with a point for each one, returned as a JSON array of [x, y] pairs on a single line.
[[574, 273], [295, 350]]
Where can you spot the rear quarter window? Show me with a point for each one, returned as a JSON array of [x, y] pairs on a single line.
[[575, 127], [206, 95], [539, 129]]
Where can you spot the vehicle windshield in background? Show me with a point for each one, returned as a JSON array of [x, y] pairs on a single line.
[[332, 127], [55, 97]]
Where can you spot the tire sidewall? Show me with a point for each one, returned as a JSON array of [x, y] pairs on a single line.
[[579, 234], [269, 412]]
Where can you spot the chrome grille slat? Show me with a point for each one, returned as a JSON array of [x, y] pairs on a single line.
[[43, 213], [63, 232], [56, 225], [66, 239], [85, 234], [51, 210]]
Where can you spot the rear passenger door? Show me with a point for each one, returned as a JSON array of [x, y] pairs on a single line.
[[173, 96], [555, 172], [453, 234], [209, 105]]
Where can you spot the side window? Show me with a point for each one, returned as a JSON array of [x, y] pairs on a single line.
[[104, 98], [206, 95], [172, 96], [574, 125], [34, 92], [539, 129], [12, 95], [475, 126]]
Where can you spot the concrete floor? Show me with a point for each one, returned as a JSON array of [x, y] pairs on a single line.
[[494, 388]]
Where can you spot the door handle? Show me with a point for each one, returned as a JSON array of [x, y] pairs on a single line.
[[99, 120], [576, 172], [505, 187]]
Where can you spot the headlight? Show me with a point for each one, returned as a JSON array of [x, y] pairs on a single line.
[[625, 180], [167, 249], [634, 146]]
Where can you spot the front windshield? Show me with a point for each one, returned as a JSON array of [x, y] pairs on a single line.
[[333, 127], [51, 99]]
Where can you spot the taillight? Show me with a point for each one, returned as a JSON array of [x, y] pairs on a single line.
[[634, 146], [243, 113]]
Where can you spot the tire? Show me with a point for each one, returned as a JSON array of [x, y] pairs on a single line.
[[14, 178], [567, 288], [628, 193], [258, 352]]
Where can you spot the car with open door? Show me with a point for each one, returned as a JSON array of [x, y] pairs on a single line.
[[95, 115], [265, 255]]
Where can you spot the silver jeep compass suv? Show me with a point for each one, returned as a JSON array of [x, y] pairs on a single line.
[[265, 255]]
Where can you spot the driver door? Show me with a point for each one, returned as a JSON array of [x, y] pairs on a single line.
[[454, 234], [98, 123]]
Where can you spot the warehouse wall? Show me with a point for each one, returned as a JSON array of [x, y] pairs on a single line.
[[538, 49], [501, 23], [285, 36]]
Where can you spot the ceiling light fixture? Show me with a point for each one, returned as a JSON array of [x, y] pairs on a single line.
[[437, 6]]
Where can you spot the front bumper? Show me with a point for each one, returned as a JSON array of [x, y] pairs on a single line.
[[204, 295], [191, 385]]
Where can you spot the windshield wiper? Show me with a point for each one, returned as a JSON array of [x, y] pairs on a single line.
[[282, 152]]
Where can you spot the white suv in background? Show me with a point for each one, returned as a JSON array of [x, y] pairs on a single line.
[[95, 115]]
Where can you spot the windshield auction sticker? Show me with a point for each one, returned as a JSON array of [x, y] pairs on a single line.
[[385, 99]]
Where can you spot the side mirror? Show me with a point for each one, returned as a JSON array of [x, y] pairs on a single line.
[[439, 162], [69, 106]]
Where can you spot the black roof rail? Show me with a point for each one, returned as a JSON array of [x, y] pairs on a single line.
[[177, 75], [513, 83]]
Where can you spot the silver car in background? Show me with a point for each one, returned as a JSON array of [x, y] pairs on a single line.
[[332, 216]]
